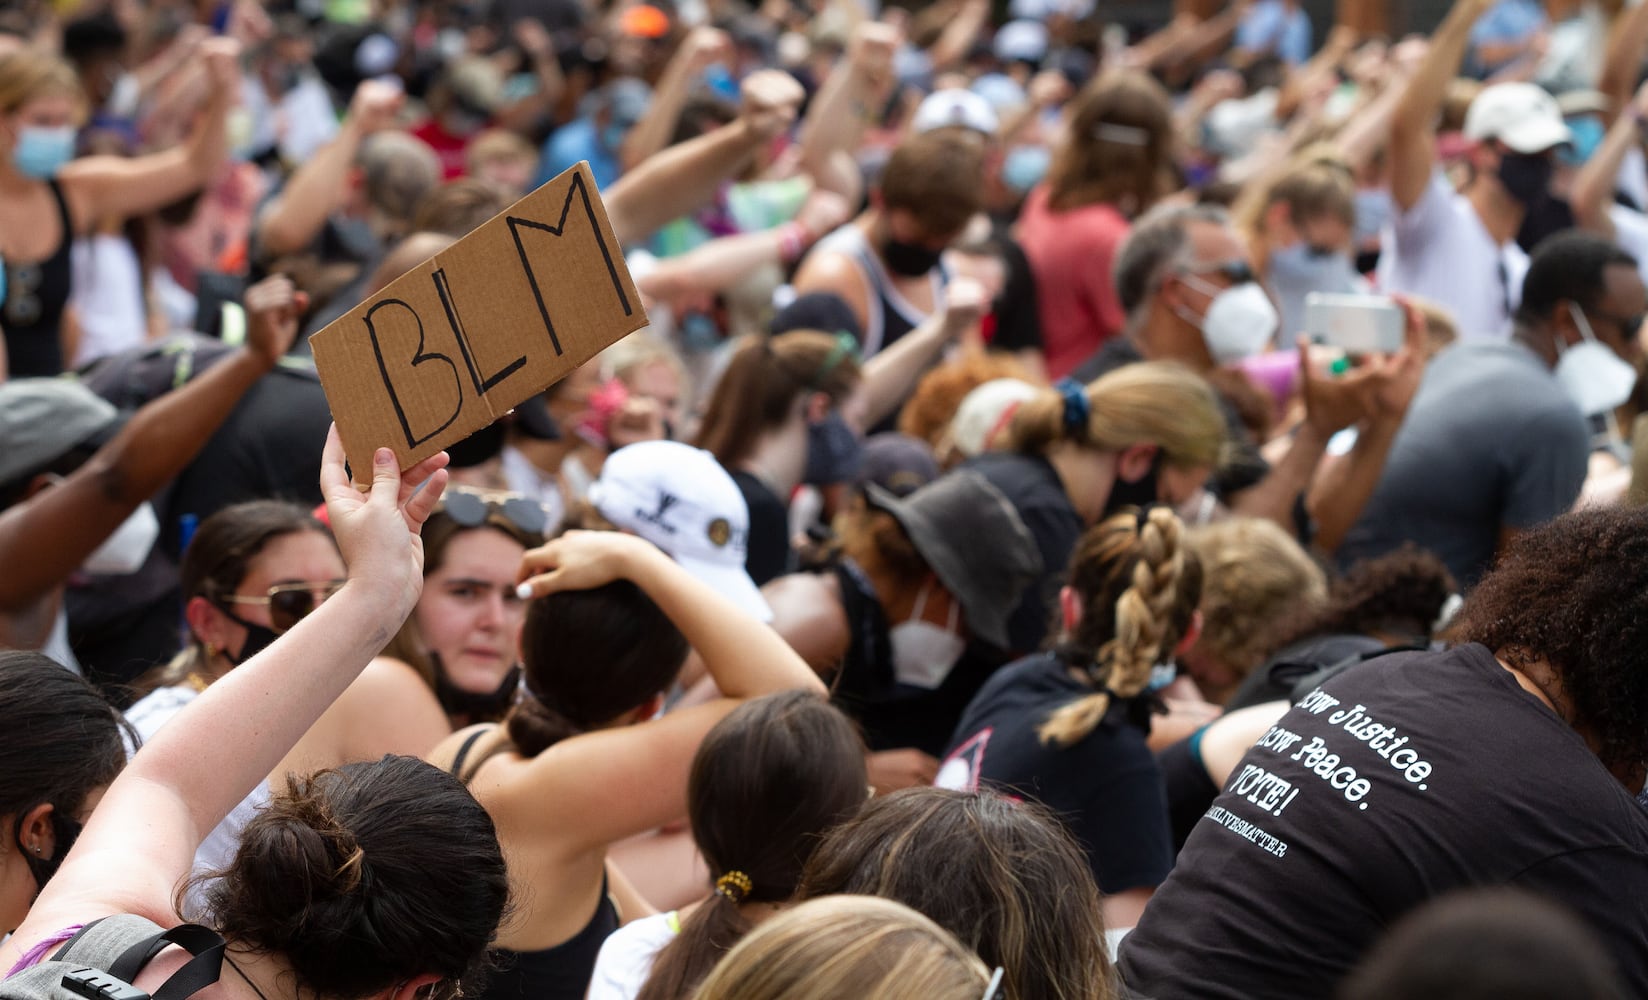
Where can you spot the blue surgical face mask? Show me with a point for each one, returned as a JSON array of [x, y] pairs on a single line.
[[1587, 136], [2, 283], [1304, 266], [42, 152], [1025, 166]]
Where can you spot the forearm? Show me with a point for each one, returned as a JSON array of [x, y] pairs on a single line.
[[1594, 184], [959, 35], [1626, 43], [1422, 98], [676, 181], [209, 143], [1273, 498], [835, 117], [891, 374], [296, 216], [1369, 127], [260, 709], [652, 133], [718, 264], [1338, 495], [746, 659]]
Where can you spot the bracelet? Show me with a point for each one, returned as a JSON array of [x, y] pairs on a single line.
[[793, 238]]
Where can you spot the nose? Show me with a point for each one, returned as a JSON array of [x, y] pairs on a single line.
[[493, 612]]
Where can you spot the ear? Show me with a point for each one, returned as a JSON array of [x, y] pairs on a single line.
[[409, 989], [1070, 608], [1134, 461], [1278, 222], [650, 708], [818, 407], [35, 836], [207, 623], [1563, 328], [1193, 631]]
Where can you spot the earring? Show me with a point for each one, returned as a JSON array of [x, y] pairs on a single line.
[[37, 848]]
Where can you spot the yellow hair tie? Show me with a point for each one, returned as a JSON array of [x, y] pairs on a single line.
[[734, 885]]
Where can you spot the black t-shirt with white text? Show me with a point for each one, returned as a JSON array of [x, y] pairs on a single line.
[[1398, 780]]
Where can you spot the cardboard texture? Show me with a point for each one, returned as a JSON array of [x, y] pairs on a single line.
[[453, 344]]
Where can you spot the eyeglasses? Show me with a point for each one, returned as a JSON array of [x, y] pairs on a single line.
[[290, 603], [22, 306], [471, 509], [1237, 272], [993, 991]]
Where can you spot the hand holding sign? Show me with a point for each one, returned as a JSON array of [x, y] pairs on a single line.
[[453, 344]]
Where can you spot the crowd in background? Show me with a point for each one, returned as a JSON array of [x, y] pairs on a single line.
[[991, 572]]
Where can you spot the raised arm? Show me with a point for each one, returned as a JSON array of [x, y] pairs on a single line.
[[684, 177], [957, 38], [294, 217], [45, 538], [725, 261], [616, 782], [892, 374], [699, 50], [838, 113], [1593, 190], [113, 187], [142, 837], [1412, 146], [1627, 41]]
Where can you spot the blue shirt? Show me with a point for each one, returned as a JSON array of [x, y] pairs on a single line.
[[1272, 26], [574, 141]]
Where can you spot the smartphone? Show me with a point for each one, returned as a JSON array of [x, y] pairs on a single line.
[[1356, 324]]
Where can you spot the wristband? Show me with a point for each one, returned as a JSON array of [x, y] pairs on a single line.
[[793, 238]]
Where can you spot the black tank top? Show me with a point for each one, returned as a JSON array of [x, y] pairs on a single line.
[[35, 297], [559, 973]]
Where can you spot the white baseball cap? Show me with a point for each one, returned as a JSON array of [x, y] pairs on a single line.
[[944, 108], [985, 411], [680, 499], [1520, 115]]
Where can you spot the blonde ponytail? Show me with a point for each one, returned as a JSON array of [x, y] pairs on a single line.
[[1152, 402], [1143, 617]]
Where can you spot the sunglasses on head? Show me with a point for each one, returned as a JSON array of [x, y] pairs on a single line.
[[470, 509], [290, 603]]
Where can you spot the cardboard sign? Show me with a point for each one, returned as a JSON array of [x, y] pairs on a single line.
[[453, 344]]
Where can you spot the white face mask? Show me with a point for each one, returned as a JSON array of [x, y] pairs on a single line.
[[126, 550], [924, 653], [1595, 378], [1240, 321]]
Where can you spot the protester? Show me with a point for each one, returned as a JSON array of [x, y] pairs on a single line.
[[1545, 688], [64, 750], [51, 198], [1456, 483], [766, 783], [611, 626], [846, 947], [463, 638], [1004, 877], [1068, 728]]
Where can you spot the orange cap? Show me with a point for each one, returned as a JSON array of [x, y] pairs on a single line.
[[644, 21]]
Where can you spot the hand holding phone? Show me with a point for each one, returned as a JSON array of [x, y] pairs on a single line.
[[1355, 324]]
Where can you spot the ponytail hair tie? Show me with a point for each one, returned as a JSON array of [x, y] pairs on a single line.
[[734, 885], [1077, 410]]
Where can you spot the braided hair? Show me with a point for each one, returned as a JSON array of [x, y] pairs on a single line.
[[1139, 587]]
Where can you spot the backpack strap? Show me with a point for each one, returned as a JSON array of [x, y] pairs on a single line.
[[93, 947]]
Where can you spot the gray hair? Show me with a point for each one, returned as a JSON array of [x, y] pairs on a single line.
[[399, 170], [1159, 241]]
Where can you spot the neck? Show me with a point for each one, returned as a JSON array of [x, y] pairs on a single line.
[[779, 460], [11, 181], [758, 913], [1082, 472], [1539, 678], [1541, 343], [1501, 214], [266, 974]]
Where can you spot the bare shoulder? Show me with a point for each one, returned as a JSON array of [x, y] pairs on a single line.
[[807, 613]]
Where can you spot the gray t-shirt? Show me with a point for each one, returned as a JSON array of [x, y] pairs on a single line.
[[1491, 441]]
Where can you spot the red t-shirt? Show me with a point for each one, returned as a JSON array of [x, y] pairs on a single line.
[[448, 147], [1071, 254]]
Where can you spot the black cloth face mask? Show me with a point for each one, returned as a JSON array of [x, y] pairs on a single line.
[[258, 637], [1527, 178], [1140, 494], [475, 705], [909, 260]]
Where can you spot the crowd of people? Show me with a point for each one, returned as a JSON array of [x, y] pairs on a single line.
[[1108, 502]]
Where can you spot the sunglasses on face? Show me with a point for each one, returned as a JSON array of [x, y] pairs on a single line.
[[290, 603], [470, 509], [1237, 272]]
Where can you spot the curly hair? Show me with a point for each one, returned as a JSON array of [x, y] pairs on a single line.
[[1574, 594], [1401, 593]]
